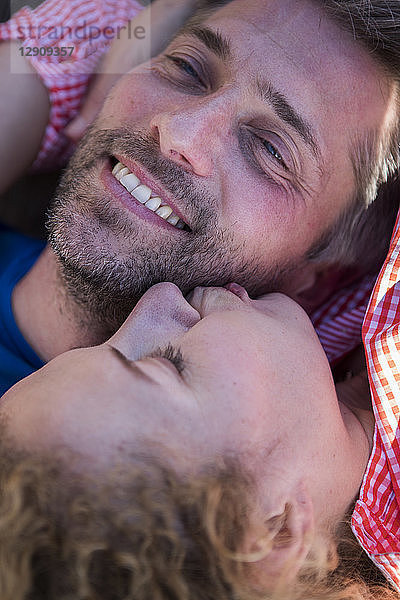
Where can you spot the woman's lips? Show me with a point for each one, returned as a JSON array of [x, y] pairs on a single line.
[[238, 290]]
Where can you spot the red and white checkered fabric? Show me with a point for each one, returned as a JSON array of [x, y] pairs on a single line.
[[66, 23], [376, 519]]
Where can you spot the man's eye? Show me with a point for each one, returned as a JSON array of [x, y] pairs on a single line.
[[274, 152], [174, 355], [185, 67]]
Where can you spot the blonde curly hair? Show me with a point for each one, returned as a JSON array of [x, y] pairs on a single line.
[[142, 532]]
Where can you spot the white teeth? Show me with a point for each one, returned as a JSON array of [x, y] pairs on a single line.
[[130, 182], [121, 173], [117, 168], [173, 219], [142, 193], [164, 212], [153, 204]]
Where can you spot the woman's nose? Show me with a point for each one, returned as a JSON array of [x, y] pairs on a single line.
[[160, 318]]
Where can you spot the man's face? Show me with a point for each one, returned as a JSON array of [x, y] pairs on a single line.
[[248, 140]]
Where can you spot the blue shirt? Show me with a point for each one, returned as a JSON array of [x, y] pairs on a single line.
[[17, 255]]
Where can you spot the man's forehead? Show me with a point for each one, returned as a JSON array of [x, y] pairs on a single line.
[[262, 12], [300, 29], [265, 17]]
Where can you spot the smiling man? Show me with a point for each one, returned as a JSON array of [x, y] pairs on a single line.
[[229, 157]]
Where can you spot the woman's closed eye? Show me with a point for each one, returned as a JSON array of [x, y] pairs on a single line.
[[173, 355]]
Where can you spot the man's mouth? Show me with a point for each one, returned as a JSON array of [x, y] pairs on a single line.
[[143, 194]]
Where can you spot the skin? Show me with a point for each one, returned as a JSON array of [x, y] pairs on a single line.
[[245, 390], [21, 129], [205, 145]]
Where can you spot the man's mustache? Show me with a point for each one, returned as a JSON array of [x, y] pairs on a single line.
[[194, 201]]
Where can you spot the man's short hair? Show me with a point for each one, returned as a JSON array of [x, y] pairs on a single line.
[[376, 25]]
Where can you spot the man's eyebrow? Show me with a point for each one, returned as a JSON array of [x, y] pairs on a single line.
[[213, 40], [287, 113], [130, 364]]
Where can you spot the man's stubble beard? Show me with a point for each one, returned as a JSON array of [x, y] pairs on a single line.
[[107, 262]]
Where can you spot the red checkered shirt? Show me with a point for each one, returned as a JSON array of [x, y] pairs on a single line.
[[376, 519], [87, 26]]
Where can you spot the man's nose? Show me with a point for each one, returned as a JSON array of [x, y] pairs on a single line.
[[194, 136]]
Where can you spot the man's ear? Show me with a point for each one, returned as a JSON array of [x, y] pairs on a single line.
[[283, 546]]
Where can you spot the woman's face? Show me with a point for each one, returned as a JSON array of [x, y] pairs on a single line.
[[220, 374]]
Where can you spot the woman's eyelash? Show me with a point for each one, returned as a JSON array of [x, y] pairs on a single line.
[[174, 355]]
